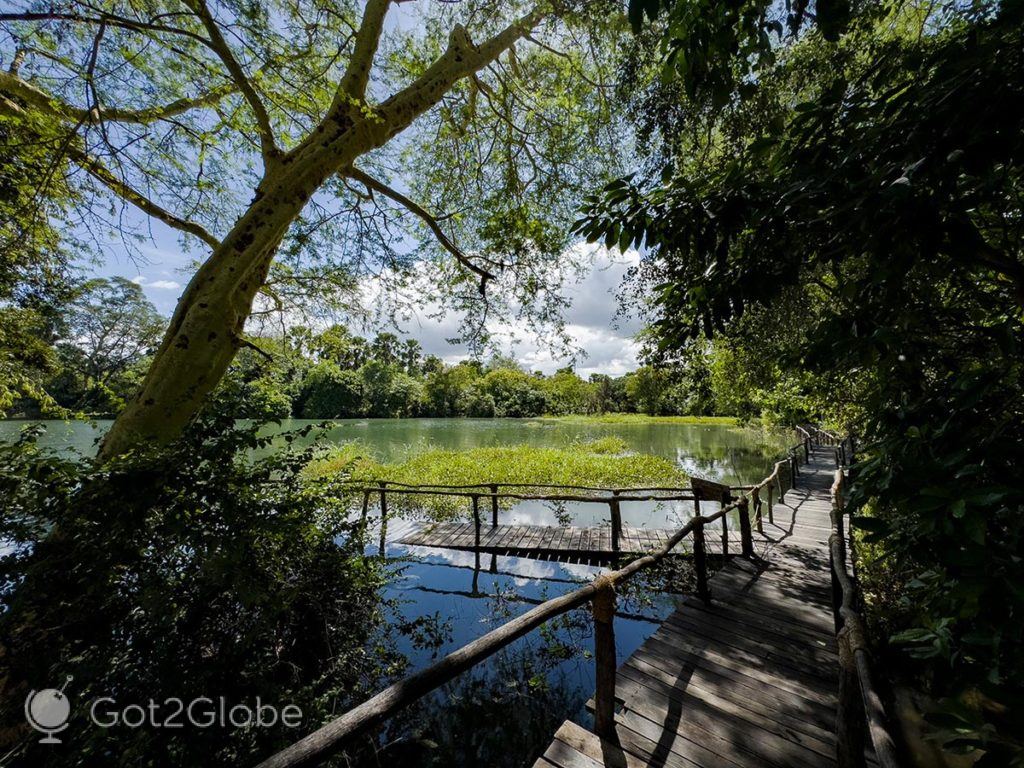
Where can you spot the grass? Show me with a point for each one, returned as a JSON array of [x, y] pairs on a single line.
[[602, 462], [641, 418]]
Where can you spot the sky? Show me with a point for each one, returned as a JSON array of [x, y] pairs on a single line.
[[162, 270]]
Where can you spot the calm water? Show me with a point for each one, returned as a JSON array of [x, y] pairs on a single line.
[[551, 674], [733, 455]]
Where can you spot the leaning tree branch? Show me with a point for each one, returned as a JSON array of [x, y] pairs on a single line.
[[460, 59], [375, 185], [357, 74], [49, 105], [227, 57], [95, 168]]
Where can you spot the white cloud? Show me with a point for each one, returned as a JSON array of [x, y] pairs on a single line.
[[163, 285], [591, 322]]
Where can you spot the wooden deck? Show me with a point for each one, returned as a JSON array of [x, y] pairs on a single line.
[[746, 682], [570, 543], [528, 540]]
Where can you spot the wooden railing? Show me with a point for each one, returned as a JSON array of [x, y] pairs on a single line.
[[860, 709], [600, 593]]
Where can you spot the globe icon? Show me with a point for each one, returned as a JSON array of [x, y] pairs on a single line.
[[48, 711]]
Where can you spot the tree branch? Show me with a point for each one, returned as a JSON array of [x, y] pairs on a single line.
[[220, 46], [42, 101], [109, 19], [375, 185], [460, 59], [95, 168], [357, 73]]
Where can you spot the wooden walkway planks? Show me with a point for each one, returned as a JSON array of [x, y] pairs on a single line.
[[745, 682], [537, 540]]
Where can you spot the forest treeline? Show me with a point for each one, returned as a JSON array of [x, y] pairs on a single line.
[[90, 359]]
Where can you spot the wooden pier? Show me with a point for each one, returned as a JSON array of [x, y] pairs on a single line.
[[551, 542], [746, 681], [767, 665]]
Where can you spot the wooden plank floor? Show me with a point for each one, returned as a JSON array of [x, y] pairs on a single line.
[[550, 542], [746, 682]]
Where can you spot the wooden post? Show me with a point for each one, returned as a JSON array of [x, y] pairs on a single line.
[[794, 470], [758, 510], [807, 449], [726, 500], [850, 718], [616, 515], [362, 518], [746, 537], [603, 608], [771, 504], [383, 515], [476, 522], [494, 505], [725, 534], [700, 563]]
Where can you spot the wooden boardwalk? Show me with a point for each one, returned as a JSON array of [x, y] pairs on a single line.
[[569, 543], [746, 682], [527, 540]]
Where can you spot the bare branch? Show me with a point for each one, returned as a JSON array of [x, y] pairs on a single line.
[[223, 50], [42, 101], [105, 18], [378, 186]]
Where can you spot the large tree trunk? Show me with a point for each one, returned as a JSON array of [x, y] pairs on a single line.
[[205, 332]]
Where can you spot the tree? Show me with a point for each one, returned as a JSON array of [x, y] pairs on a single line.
[[412, 357], [445, 386], [565, 393], [35, 273], [386, 349], [329, 392], [110, 327], [162, 110], [388, 392], [646, 389], [872, 187], [509, 392]]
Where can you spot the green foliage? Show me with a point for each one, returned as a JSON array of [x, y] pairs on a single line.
[[513, 392], [850, 237], [35, 258], [194, 571], [110, 329], [329, 392], [565, 392]]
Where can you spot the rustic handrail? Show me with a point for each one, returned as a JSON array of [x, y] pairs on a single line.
[[601, 592], [859, 703]]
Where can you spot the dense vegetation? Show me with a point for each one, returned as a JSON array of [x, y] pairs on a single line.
[[112, 573], [96, 350], [852, 216], [828, 200]]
